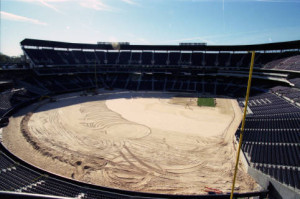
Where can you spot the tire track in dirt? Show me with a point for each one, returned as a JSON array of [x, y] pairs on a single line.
[[102, 147]]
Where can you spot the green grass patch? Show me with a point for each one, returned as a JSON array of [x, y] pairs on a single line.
[[206, 102]]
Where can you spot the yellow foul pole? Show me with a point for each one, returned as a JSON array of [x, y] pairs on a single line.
[[243, 123]]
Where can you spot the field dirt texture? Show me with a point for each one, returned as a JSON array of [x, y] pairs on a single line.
[[139, 141]]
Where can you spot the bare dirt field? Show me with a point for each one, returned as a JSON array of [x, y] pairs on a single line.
[[140, 141]]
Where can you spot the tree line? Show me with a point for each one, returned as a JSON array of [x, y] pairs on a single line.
[[5, 59]]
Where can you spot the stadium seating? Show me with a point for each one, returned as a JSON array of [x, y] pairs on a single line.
[[76, 57], [147, 58], [53, 57], [136, 58], [185, 59], [289, 63], [19, 178], [79, 57], [124, 58], [13, 98], [271, 138]]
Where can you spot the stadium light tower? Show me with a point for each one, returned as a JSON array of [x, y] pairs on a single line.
[[243, 123]]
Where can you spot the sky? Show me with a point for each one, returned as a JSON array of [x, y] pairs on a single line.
[[170, 22]]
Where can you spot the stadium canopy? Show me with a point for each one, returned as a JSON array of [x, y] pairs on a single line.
[[193, 47]]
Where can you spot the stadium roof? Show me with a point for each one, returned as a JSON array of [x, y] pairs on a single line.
[[192, 47]]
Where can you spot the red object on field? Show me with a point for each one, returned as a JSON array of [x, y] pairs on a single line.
[[208, 189]]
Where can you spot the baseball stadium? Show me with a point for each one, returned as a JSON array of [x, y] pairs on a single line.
[[116, 120]]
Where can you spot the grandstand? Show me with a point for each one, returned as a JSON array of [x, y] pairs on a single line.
[[271, 150]]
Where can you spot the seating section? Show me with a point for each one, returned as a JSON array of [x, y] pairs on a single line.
[[5, 104], [290, 63], [288, 93], [53, 57], [112, 57], [174, 58], [185, 59], [147, 58], [18, 178], [239, 60], [124, 57], [136, 58], [38, 56], [12, 98], [234, 87], [271, 138], [295, 81], [270, 104]]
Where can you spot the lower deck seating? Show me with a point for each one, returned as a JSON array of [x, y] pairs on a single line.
[[12, 98], [272, 137], [18, 178]]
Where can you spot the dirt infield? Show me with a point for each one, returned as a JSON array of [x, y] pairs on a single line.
[[149, 142]]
